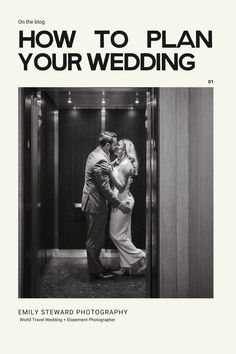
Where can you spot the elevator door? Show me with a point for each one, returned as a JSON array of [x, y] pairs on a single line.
[[152, 194]]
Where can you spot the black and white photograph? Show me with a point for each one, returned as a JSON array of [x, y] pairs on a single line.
[[116, 192]]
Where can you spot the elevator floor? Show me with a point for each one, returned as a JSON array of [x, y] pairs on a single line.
[[69, 278]]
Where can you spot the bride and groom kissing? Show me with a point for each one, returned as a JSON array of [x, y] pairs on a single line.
[[109, 182]]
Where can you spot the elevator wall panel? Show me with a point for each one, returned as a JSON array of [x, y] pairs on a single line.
[[78, 136], [36, 186], [25, 197], [47, 175]]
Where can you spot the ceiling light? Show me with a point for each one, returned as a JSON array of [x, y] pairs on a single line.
[[69, 98], [103, 98], [136, 99]]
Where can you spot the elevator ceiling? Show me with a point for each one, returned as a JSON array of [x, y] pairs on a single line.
[[96, 98]]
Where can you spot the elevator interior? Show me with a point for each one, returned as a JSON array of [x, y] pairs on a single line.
[[172, 129], [59, 127]]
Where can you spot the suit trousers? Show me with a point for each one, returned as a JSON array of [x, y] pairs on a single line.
[[96, 225]]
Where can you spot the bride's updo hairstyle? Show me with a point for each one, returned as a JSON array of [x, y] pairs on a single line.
[[131, 154]]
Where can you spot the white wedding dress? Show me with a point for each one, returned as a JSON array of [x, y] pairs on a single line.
[[120, 229]]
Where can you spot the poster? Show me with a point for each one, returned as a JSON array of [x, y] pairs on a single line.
[[145, 324]]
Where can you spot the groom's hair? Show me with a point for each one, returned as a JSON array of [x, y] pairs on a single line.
[[106, 137]]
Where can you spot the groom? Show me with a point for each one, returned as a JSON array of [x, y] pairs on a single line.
[[97, 193]]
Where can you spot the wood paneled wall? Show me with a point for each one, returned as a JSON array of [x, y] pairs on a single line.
[[186, 154], [200, 192]]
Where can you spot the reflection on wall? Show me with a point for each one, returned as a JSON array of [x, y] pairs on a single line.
[[37, 172]]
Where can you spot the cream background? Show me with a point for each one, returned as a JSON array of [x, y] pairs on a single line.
[[152, 325]]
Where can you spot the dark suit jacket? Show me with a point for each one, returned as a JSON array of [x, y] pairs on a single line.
[[97, 188]]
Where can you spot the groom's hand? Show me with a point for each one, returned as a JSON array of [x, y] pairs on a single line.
[[124, 207]]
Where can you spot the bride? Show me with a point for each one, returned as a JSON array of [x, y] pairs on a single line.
[[122, 171]]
